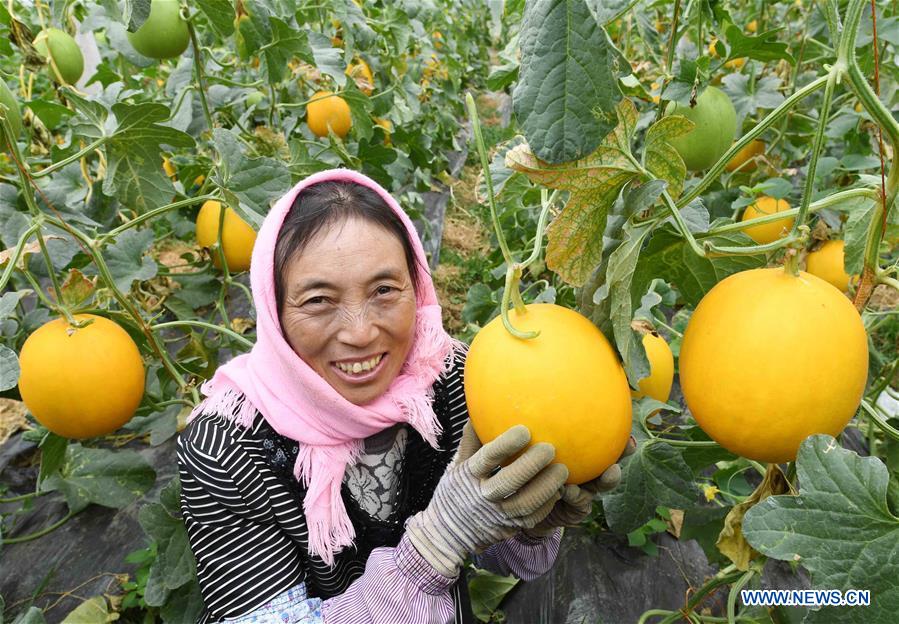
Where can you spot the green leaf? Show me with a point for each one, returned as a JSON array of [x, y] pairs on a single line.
[[253, 28], [481, 304], [197, 289], [50, 113], [605, 11], [704, 524], [695, 215], [32, 616], [360, 110], [136, 13], [220, 14], [567, 91], [53, 454], [654, 475], [749, 97], [161, 425], [249, 184], [109, 478], [667, 256], [660, 158], [357, 34], [326, 58], [170, 496], [619, 275], [762, 47], [183, 605], [487, 592], [174, 560], [575, 237], [855, 233], [91, 611], [155, 592], [286, 43], [9, 368], [839, 528], [134, 174], [127, 259], [10, 300]]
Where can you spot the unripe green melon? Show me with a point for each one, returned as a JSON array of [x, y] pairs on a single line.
[[716, 123], [60, 46], [164, 35], [13, 113]]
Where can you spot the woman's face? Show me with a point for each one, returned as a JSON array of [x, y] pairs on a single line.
[[349, 308]]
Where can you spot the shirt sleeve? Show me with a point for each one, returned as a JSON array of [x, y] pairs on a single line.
[[521, 556], [243, 558], [398, 586]]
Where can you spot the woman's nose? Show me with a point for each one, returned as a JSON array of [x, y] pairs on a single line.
[[357, 326]]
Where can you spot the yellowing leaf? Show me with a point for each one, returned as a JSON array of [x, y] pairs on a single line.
[[660, 158], [731, 541], [575, 237]]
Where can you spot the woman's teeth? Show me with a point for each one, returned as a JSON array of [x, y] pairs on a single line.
[[359, 367]]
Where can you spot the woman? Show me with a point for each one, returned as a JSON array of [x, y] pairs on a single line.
[[314, 476]]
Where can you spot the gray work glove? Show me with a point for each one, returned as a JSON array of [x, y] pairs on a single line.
[[577, 501], [473, 508]]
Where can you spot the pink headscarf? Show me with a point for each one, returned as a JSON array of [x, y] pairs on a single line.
[[299, 404]]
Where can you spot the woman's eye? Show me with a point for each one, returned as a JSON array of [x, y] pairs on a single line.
[[383, 290], [315, 301]]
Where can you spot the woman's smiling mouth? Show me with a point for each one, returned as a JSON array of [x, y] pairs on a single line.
[[359, 371]]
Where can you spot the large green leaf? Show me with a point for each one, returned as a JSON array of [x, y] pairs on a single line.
[[253, 29], [175, 559], [654, 475], [839, 528], [567, 90], [133, 143], [134, 173], [136, 13], [109, 478], [53, 454]]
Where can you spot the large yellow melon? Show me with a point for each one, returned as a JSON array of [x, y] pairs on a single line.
[[566, 386], [770, 358]]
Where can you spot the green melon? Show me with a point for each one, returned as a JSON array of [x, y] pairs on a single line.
[[60, 46], [716, 123], [13, 114], [165, 34]]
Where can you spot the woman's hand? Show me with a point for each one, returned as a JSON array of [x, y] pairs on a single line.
[[473, 508], [577, 501]]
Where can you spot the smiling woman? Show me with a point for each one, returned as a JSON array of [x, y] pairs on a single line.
[[349, 307], [317, 481]]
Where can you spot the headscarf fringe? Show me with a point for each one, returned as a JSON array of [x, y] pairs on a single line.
[[226, 401], [330, 528]]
